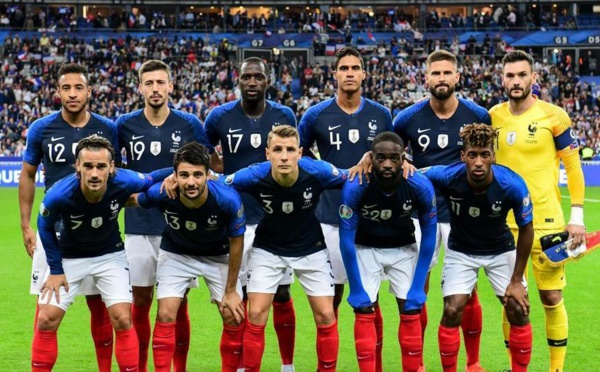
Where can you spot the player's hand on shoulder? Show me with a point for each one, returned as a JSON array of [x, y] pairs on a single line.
[[408, 169], [170, 186], [51, 287], [362, 169], [29, 240]]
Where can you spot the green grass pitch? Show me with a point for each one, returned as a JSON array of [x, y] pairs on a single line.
[[76, 348]]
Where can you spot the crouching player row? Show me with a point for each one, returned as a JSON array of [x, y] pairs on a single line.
[[377, 237]]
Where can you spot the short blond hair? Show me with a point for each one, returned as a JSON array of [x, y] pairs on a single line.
[[283, 131]]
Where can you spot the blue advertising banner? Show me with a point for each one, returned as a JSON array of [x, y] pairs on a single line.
[[10, 171]]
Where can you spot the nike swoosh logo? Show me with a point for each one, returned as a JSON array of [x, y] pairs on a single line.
[[108, 343], [446, 354], [454, 198], [327, 366], [423, 130], [369, 206], [362, 357], [158, 346], [131, 369], [56, 139], [79, 216], [414, 352], [234, 130], [332, 128], [561, 343], [265, 196], [39, 364], [136, 137], [236, 352], [525, 351], [169, 212]]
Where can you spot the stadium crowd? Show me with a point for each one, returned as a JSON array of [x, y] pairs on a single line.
[[204, 76]]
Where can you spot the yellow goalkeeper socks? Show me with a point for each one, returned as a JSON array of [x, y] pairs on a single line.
[[557, 331]]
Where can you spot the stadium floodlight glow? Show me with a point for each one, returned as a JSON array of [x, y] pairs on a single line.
[[555, 51]]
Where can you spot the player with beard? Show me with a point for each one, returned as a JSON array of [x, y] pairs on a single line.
[[242, 128], [204, 237], [150, 137], [52, 141], [431, 128], [533, 137]]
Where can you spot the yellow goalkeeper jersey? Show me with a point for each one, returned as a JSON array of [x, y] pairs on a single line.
[[529, 145]]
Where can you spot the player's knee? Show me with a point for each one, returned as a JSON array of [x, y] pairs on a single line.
[[47, 321], [452, 315], [551, 298], [515, 314], [165, 315], [283, 294], [324, 317], [142, 296], [121, 320], [257, 315]]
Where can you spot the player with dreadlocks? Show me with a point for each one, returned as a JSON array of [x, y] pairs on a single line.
[[480, 195]]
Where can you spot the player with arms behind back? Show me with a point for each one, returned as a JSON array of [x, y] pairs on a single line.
[[534, 136]]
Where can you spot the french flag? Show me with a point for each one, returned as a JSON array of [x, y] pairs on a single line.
[[371, 37], [22, 55], [36, 81], [131, 21], [330, 50], [317, 25]]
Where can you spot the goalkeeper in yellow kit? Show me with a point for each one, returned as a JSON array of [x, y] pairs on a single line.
[[533, 136]]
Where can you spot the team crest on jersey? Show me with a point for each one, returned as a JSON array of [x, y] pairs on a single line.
[[442, 140], [287, 207], [386, 214], [372, 130], [307, 198], [474, 212], [353, 135], [496, 208], [527, 200], [255, 140], [176, 138], [229, 179], [190, 225], [74, 147], [96, 222], [240, 212], [511, 137], [212, 222], [114, 209], [155, 147], [44, 211], [345, 211], [334, 170]]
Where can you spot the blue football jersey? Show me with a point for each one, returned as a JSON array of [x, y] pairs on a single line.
[[435, 141], [52, 141], [384, 220], [204, 231], [342, 139], [289, 226], [478, 221], [88, 229], [151, 147], [243, 140]]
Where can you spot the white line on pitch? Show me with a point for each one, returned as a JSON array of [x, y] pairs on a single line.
[[585, 199]]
